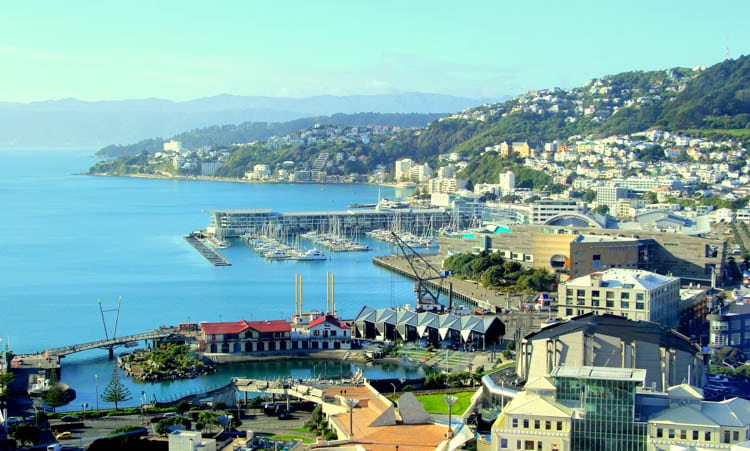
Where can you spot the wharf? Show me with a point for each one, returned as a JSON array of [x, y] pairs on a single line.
[[509, 307], [211, 255]]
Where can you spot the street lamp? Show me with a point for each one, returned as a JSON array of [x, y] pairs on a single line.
[[450, 400], [96, 381], [143, 406], [351, 402], [84, 405]]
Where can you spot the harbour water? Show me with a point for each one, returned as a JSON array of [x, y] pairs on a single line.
[[72, 241]]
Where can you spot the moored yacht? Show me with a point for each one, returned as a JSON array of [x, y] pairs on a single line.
[[311, 255]]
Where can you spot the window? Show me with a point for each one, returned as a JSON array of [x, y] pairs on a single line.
[[595, 293], [581, 293], [610, 303], [548, 425], [735, 436], [529, 445], [595, 302], [525, 423], [683, 434], [639, 296], [624, 295], [726, 437], [559, 425], [695, 435], [536, 424], [503, 443], [515, 423], [659, 432], [624, 304], [671, 433], [639, 306], [707, 436]]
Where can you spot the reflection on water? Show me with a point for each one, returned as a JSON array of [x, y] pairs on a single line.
[[88, 377]]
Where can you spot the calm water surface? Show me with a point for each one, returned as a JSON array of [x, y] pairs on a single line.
[[72, 241]]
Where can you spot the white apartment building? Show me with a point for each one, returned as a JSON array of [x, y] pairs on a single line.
[[403, 169], [507, 181], [610, 195], [544, 210], [172, 145], [633, 293], [421, 173]]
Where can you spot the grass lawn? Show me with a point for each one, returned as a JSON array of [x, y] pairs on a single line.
[[435, 403]]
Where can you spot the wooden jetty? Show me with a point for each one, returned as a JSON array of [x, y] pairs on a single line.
[[209, 253]]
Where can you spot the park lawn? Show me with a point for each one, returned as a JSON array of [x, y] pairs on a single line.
[[435, 403]]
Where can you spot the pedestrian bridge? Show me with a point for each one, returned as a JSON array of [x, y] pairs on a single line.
[[110, 343]]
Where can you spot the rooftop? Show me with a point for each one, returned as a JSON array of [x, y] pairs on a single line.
[[618, 326], [623, 278], [601, 373]]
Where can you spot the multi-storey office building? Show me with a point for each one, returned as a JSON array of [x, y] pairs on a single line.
[[635, 294]]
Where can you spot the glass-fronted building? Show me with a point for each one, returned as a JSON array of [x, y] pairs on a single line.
[[603, 400]]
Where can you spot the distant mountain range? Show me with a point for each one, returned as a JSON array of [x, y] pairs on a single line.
[[71, 122]]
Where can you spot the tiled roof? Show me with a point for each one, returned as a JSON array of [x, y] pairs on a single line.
[[329, 319], [236, 327], [277, 325], [233, 327]]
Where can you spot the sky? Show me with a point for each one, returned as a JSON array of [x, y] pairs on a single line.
[[182, 50]]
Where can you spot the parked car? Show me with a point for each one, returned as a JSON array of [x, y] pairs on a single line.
[[70, 419]]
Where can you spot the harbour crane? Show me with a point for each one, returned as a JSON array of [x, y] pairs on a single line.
[[425, 274]]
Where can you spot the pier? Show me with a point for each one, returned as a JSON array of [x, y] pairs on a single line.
[[210, 254]]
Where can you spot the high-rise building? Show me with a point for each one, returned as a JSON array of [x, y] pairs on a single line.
[[403, 169]]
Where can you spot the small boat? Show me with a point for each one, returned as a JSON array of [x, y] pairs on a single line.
[[311, 255], [277, 254]]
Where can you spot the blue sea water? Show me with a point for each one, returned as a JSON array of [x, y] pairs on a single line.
[[69, 242]]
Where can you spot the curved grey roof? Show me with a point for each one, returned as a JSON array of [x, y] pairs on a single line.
[[617, 326]]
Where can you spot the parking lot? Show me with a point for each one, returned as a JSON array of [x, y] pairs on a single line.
[[252, 420]]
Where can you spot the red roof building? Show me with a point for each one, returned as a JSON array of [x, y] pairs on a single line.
[[245, 336]]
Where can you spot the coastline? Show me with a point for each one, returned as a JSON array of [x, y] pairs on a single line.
[[206, 178]]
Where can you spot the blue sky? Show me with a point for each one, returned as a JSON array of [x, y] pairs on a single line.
[[180, 50]]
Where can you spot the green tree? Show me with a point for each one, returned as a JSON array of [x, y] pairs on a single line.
[[55, 395], [493, 276], [601, 209], [162, 426], [207, 419], [114, 391], [6, 379], [728, 356], [182, 407], [25, 433]]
